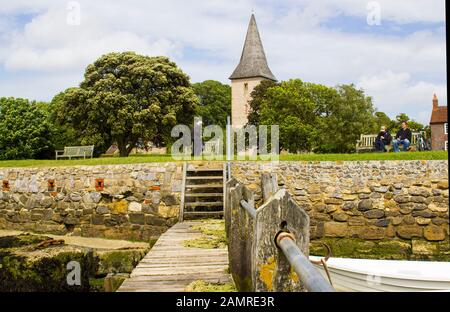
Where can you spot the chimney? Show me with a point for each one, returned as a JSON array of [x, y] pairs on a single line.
[[435, 102]]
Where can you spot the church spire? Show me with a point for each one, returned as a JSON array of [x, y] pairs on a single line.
[[253, 61]]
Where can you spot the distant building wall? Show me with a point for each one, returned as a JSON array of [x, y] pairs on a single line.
[[438, 137], [241, 90]]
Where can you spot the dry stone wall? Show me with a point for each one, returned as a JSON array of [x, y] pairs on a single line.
[[117, 201], [371, 200]]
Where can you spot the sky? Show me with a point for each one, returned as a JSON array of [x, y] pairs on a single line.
[[394, 50]]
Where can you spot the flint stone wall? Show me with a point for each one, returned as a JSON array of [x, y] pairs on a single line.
[[371, 200], [137, 201]]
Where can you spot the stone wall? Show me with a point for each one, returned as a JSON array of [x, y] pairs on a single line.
[[116, 201], [371, 200]]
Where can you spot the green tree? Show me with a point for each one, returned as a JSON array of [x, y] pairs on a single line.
[[413, 125], [63, 133], [127, 98], [25, 129], [349, 115], [291, 106], [214, 102], [258, 95], [383, 120]]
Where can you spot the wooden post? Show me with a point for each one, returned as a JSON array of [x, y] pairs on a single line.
[[183, 193], [269, 185], [240, 239], [270, 268], [227, 204]]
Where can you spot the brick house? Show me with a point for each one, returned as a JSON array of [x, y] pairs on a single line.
[[439, 126]]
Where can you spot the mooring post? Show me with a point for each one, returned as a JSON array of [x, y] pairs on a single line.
[[269, 185], [240, 239], [227, 204], [271, 269]]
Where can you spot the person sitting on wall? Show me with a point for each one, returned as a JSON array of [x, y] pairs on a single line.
[[384, 138], [403, 137]]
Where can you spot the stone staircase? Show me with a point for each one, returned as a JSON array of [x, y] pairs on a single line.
[[203, 192]]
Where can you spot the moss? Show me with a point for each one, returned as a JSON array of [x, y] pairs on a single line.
[[434, 251], [24, 267], [97, 284], [383, 249], [119, 261], [358, 248], [44, 272], [213, 235], [21, 240], [202, 286]]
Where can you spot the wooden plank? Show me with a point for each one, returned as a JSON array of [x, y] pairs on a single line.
[[204, 178], [197, 186], [204, 195], [211, 213], [183, 191], [169, 266], [205, 170], [205, 204]]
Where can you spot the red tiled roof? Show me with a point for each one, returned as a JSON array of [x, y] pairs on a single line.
[[439, 115]]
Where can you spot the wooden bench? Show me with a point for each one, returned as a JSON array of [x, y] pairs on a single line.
[[367, 142], [75, 152]]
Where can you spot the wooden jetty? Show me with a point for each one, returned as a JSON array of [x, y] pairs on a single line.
[[170, 267]]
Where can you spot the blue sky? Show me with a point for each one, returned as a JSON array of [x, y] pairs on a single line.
[[400, 63]]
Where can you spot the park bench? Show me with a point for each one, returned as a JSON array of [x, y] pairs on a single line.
[[75, 152], [367, 142]]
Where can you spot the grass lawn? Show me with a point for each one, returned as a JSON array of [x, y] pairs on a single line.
[[435, 155]]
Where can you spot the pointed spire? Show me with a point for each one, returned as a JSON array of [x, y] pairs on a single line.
[[253, 61]]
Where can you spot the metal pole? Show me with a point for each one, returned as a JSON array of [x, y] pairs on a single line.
[[307, 273], [230, 147], [250, 209]]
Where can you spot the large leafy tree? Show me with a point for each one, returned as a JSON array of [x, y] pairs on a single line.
[[214, 102], [412, 124], [25, 129], [383, 120], [313, 117], [127, 99], [63, 133], [258, 95], [291, 106], [348, 116]]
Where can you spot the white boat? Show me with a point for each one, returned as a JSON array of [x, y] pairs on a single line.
[[355, 275]]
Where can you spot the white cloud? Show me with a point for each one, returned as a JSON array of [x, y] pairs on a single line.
[[395, 93]]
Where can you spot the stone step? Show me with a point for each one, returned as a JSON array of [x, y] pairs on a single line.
[[205, 170], [204, 178], [204, 204], [197, 186], [203, 194], [208, 213]]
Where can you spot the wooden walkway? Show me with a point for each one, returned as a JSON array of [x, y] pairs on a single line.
[[170, 267]]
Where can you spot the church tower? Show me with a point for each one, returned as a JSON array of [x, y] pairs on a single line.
[[252, 69]]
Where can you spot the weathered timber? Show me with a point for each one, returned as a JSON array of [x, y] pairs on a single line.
[[269, 185], [240, 238], [271, 269], [227, 204], [170, 266]]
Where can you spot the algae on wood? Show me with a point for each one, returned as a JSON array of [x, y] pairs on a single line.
[[202, 286], [213, 235]]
